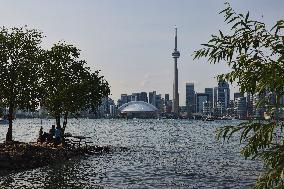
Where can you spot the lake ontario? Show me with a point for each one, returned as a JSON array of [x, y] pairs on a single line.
[[158, 154]]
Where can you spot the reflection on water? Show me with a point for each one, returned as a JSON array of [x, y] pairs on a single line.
[[162, 154]]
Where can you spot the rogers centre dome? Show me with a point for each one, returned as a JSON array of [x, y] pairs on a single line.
[[138, 109]]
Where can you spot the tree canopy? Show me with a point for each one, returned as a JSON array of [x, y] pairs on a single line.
[[256, 56], [56, 78], [19, 70], [69, 86]]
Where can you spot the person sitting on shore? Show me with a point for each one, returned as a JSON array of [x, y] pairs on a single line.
[[45, 137], [51, 134], [58, 135]]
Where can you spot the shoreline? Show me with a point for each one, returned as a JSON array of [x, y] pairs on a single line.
[[20, 155]]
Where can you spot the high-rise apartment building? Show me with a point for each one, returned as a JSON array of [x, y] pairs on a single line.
[[167, 98], [237, 95], [201, 98], [241, 107], [223, 97], [190, 98], [123, 99], [135, 97], [152, 98], [215, 97], [143, 97], [249, 105], [209, 92]]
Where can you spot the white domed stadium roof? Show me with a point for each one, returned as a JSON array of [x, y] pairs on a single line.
[[137, 106]]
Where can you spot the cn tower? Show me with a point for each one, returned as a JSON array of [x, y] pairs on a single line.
[[176, 55]]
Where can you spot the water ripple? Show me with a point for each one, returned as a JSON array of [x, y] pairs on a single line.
[[161, 154]]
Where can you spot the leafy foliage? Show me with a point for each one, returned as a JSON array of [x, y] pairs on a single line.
[[56, 77], [19, 70], [68, 85], [256, 56]]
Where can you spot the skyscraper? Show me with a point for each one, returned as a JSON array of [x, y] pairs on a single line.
[[223, 97], [135, 97], [124, 99], [190, 98], [215, 97], [209, 91], [143, 97], [237, 95], [175, 55], [167, 97], [249, 105], [152, 98], [200, 99], [241, 107]]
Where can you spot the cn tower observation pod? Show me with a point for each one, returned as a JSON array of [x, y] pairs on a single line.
[[138, 109]]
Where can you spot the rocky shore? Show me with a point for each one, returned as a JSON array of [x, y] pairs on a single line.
[[18, 155]]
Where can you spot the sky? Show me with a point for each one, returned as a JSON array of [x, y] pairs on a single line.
[[131, 41]]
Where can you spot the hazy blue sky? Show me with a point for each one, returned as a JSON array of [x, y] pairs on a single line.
[[131, 41]]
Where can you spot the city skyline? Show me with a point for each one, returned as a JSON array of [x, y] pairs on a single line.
[[133, 48]]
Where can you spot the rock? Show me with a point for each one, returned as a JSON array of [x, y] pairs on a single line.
[[17, 156]]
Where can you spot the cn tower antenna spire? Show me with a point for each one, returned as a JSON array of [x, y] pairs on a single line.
[[176, 38]]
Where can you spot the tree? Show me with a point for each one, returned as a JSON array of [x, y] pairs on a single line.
[[69, 86], [256, 57], [86, 94], [19, 70]]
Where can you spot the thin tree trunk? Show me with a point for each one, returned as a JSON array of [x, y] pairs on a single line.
[[9, 135], [57, 119], [64, 122]]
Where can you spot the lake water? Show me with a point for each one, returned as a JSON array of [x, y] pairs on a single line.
[[161, 154]]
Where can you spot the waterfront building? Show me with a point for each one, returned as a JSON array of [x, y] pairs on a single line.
[[200, 99], [138, 109], [103, 111], [237, 95], [258, 111], [183, 111], [190, 98], [231, 109], [129, 98], [210, 103], [241, 107], [112, 111], [168, 107], [220, 109], [167, 104], [249, 105], [209, 91], [167, 98], [159, 103], [152, 98], [175, 55], [215, 97], [223, 97], [135, 97], [207, 108], [143, 97], [123, 98], [119, 103]]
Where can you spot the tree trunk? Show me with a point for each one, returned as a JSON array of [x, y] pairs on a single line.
[[9, 135], [64, 122], [57, 119]]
